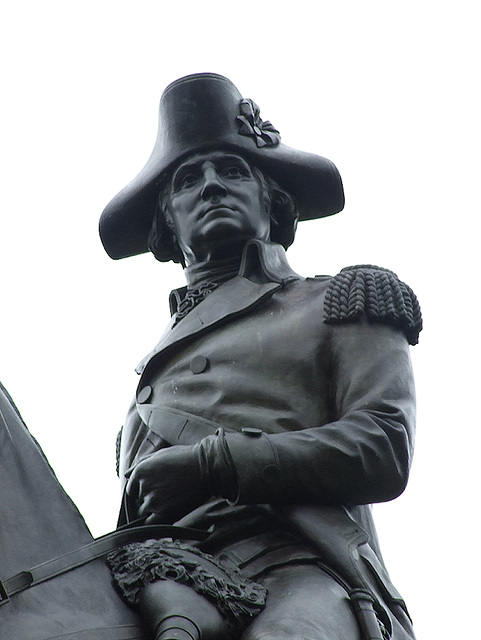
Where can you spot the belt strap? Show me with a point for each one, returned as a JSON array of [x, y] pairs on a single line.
[[92, 551]]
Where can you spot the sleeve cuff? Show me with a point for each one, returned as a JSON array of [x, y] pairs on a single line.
[[255, 462]]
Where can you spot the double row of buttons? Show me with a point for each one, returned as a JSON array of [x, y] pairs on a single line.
[[198, 364]]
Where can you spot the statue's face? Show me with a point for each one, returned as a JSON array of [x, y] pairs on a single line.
[[217, 204]]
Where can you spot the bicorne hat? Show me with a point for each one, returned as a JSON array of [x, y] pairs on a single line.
[[206, 111]]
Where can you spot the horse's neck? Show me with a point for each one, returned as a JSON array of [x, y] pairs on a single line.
[[38, 522]]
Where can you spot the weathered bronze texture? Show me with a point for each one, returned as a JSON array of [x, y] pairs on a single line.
[[39, 522], [275, 407]]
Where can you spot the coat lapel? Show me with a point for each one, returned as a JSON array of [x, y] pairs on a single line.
[[229, 299]]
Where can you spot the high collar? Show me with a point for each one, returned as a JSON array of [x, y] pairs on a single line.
[[261, 262], [217, 271]]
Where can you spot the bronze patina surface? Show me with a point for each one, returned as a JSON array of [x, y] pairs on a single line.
[[275, 408]]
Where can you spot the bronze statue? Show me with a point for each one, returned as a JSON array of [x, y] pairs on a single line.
[[275, 408]]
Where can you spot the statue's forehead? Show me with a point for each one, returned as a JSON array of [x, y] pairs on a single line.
[[214, 156]]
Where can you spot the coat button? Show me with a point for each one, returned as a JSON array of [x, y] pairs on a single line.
[[199, 364], [271, 474], [252, 432], [144, 394]]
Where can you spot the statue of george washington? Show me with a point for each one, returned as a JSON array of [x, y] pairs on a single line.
[[275, 408]]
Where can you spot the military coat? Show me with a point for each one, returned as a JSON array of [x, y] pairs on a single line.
[[314, 402]]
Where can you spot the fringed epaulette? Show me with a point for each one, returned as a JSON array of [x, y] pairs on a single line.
[[118, 441], [377, 293]]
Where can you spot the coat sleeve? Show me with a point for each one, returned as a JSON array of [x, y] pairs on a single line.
[[364, 454]]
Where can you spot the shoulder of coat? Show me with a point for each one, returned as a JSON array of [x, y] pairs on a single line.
[[376, 293]]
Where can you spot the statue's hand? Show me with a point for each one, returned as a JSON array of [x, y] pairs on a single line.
[[168, 484]]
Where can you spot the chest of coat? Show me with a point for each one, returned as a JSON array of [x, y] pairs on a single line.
[[269, 366]]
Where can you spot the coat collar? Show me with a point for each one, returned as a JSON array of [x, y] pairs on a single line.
[[261, 262], [264, 269]]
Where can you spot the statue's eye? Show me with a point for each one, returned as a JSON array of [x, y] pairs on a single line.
[[232, 172], [188, 180]]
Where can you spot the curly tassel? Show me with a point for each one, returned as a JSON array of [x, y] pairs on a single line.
[[376, 292], [118, 441]]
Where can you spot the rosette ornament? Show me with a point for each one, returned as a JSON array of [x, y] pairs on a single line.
[[251, 124]]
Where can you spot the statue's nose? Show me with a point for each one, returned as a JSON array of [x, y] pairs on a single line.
[[213, 186]]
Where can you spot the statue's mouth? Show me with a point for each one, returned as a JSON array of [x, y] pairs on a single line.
[[216, 208]]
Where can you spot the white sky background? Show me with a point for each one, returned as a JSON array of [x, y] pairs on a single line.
[[388, 91]]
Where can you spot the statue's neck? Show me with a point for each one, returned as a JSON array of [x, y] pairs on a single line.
[[217, 271]]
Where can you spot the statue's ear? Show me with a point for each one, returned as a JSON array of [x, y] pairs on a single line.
[[284, 216]]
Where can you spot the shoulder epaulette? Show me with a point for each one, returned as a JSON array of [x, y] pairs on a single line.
[[118, 440], [377, 293]]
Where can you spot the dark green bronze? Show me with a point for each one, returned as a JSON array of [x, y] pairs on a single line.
[[275, 408]]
